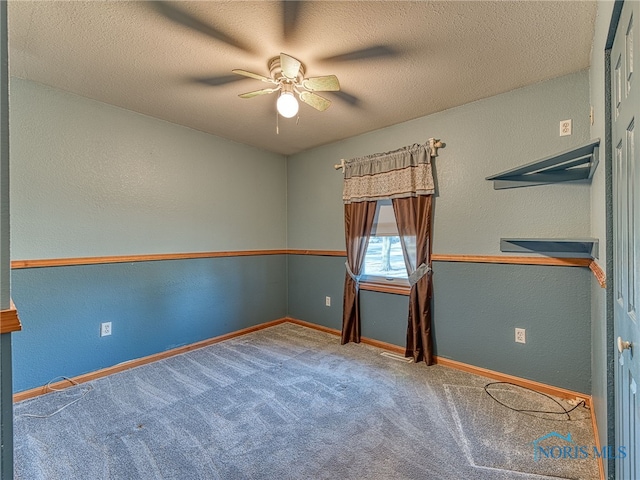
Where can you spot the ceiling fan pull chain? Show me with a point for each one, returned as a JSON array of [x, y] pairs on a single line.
[[277, 124]]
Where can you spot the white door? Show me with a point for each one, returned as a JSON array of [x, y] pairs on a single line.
[[626, 222]]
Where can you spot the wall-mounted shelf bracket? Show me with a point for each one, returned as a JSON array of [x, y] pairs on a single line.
[[554, 247], [578, 163]]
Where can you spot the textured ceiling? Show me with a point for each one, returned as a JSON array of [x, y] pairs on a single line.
[[395, 60]]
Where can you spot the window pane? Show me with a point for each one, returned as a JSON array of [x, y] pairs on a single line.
[[385, 221], [384, 258]]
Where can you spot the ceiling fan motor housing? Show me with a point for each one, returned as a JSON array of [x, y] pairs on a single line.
[[275, 70]]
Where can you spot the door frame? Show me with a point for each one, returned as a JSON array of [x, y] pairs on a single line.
[[608, 164]]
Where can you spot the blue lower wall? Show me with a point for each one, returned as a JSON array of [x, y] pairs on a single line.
[[311, 279], [153, 307], [476, 308], [156, 306]]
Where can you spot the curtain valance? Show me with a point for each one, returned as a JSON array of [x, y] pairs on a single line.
[[402, 173]]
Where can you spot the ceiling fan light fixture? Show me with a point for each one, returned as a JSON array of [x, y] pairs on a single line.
[[287, 74], [287, 105]]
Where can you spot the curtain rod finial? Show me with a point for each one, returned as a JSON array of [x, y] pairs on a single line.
[[340, 166], [434, 145]]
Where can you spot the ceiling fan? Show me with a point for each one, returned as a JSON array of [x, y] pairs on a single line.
[[287, 76], [286, 73]]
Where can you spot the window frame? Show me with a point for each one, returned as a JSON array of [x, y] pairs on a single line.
[[379, 283]]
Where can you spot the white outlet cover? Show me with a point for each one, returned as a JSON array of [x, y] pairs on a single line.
[[565, 128], [327, 301], [105, 329], [521, 335]]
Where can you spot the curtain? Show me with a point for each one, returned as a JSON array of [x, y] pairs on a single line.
[[405, 172], [413, 217], [404, 175], [358, 220]]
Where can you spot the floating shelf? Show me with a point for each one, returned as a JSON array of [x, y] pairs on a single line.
[[556, 247], [579, 163]]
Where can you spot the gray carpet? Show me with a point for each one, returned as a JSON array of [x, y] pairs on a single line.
[[289, 402]]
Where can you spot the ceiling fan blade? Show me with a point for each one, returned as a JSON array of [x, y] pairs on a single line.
[[217, 81], [375, 51], [187, 20], [256, 93], [253, 75], [316, 101], [289, 65], [290, 13], [327, 83]]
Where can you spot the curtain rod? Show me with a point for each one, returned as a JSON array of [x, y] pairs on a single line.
[[434, 145]]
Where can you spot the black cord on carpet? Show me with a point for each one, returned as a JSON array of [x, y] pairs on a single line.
[[563, 411]]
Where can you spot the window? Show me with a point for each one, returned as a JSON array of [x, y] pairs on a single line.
[[384, 261]]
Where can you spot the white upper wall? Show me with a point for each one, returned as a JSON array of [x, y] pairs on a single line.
[[482, 138], [90, 179]]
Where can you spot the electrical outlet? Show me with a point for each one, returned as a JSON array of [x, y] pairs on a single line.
[[520, 335], [327, 301], [565, 128], [105, 329]]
